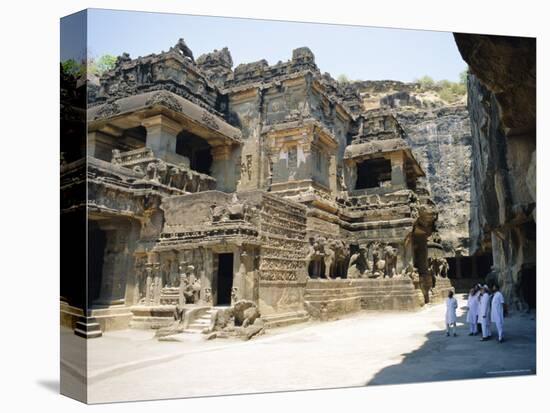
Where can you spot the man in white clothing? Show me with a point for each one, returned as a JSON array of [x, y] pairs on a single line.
[[483, 315], [497, 311], [473, 304], [450, 314]]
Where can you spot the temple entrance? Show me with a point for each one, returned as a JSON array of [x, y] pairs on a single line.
[[197, 150], [97, 240], [225, 279]]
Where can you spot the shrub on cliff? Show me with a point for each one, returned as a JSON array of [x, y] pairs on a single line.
[[445, 89]]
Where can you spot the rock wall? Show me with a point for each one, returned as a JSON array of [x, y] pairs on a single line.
[[439, 134], [441, 141], [502, 108]]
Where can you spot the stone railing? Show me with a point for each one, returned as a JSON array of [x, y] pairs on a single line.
[[178, 176], [361, 201], [130, 158]]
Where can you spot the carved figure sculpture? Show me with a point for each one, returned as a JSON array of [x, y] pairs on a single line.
[[310, 251], [390, 258], [174, 177], [411, 272], [183, 281], [151, 171], [116, 159], [328, 258], [208, 296], [162, 172], [245, 312], [358, 264], [443, 267], [378, 264], [193, 285]]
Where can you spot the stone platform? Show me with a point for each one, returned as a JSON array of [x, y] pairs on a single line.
[[158, 316], [112, 318], [155, 317], [440, 289], [285, 319], [326, 299]]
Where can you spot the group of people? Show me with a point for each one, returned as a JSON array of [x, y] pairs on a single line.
[[484, 307]]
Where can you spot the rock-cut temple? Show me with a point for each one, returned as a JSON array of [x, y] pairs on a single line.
[[205, 184]]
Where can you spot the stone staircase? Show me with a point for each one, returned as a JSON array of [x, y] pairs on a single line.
[[88, 327], [204, 320]]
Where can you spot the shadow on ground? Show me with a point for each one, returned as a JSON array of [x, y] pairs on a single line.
[[51, 385], [466, 357]]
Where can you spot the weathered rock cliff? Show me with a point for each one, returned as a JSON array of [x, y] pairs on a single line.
[[441, 141], [502, 107], [439, 134]]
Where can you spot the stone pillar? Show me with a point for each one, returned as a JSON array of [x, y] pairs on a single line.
[[149, 284], [161, 135], [207, 277], [238, 275], [247, 265], [308, 161], [350, 175], [100, 145], [398, 179], [134, 274], [243, 280], [157, 281], [223, 169], [183, 278], [117, 260], [332, 174]]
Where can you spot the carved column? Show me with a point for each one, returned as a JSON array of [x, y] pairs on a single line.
[[100, 145], [332, 173], [398, 170], [157, 281], [183, 280], [117, 263], [247, 268], [207, 276], [161, 135], [223, 170], [149, 284], [238, 275]]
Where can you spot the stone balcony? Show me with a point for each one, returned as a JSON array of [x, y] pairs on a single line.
[[176, 175]]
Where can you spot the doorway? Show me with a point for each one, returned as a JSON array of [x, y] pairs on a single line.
[[372, 172], [225, 278], [97, 241]]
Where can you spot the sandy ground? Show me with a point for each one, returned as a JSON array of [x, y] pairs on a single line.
[[367, 348]]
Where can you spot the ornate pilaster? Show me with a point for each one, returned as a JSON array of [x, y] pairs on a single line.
[[161, 136]]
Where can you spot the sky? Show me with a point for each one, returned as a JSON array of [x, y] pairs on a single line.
[[360, 53]]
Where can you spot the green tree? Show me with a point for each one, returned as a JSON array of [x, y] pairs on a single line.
[[426, 82], [446, 90], [72, 67], [101, 65], [343, 79]]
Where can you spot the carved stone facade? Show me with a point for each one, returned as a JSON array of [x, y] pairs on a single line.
[[208, 185]]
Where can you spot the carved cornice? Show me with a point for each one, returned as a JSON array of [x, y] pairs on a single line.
[[164, 99]]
